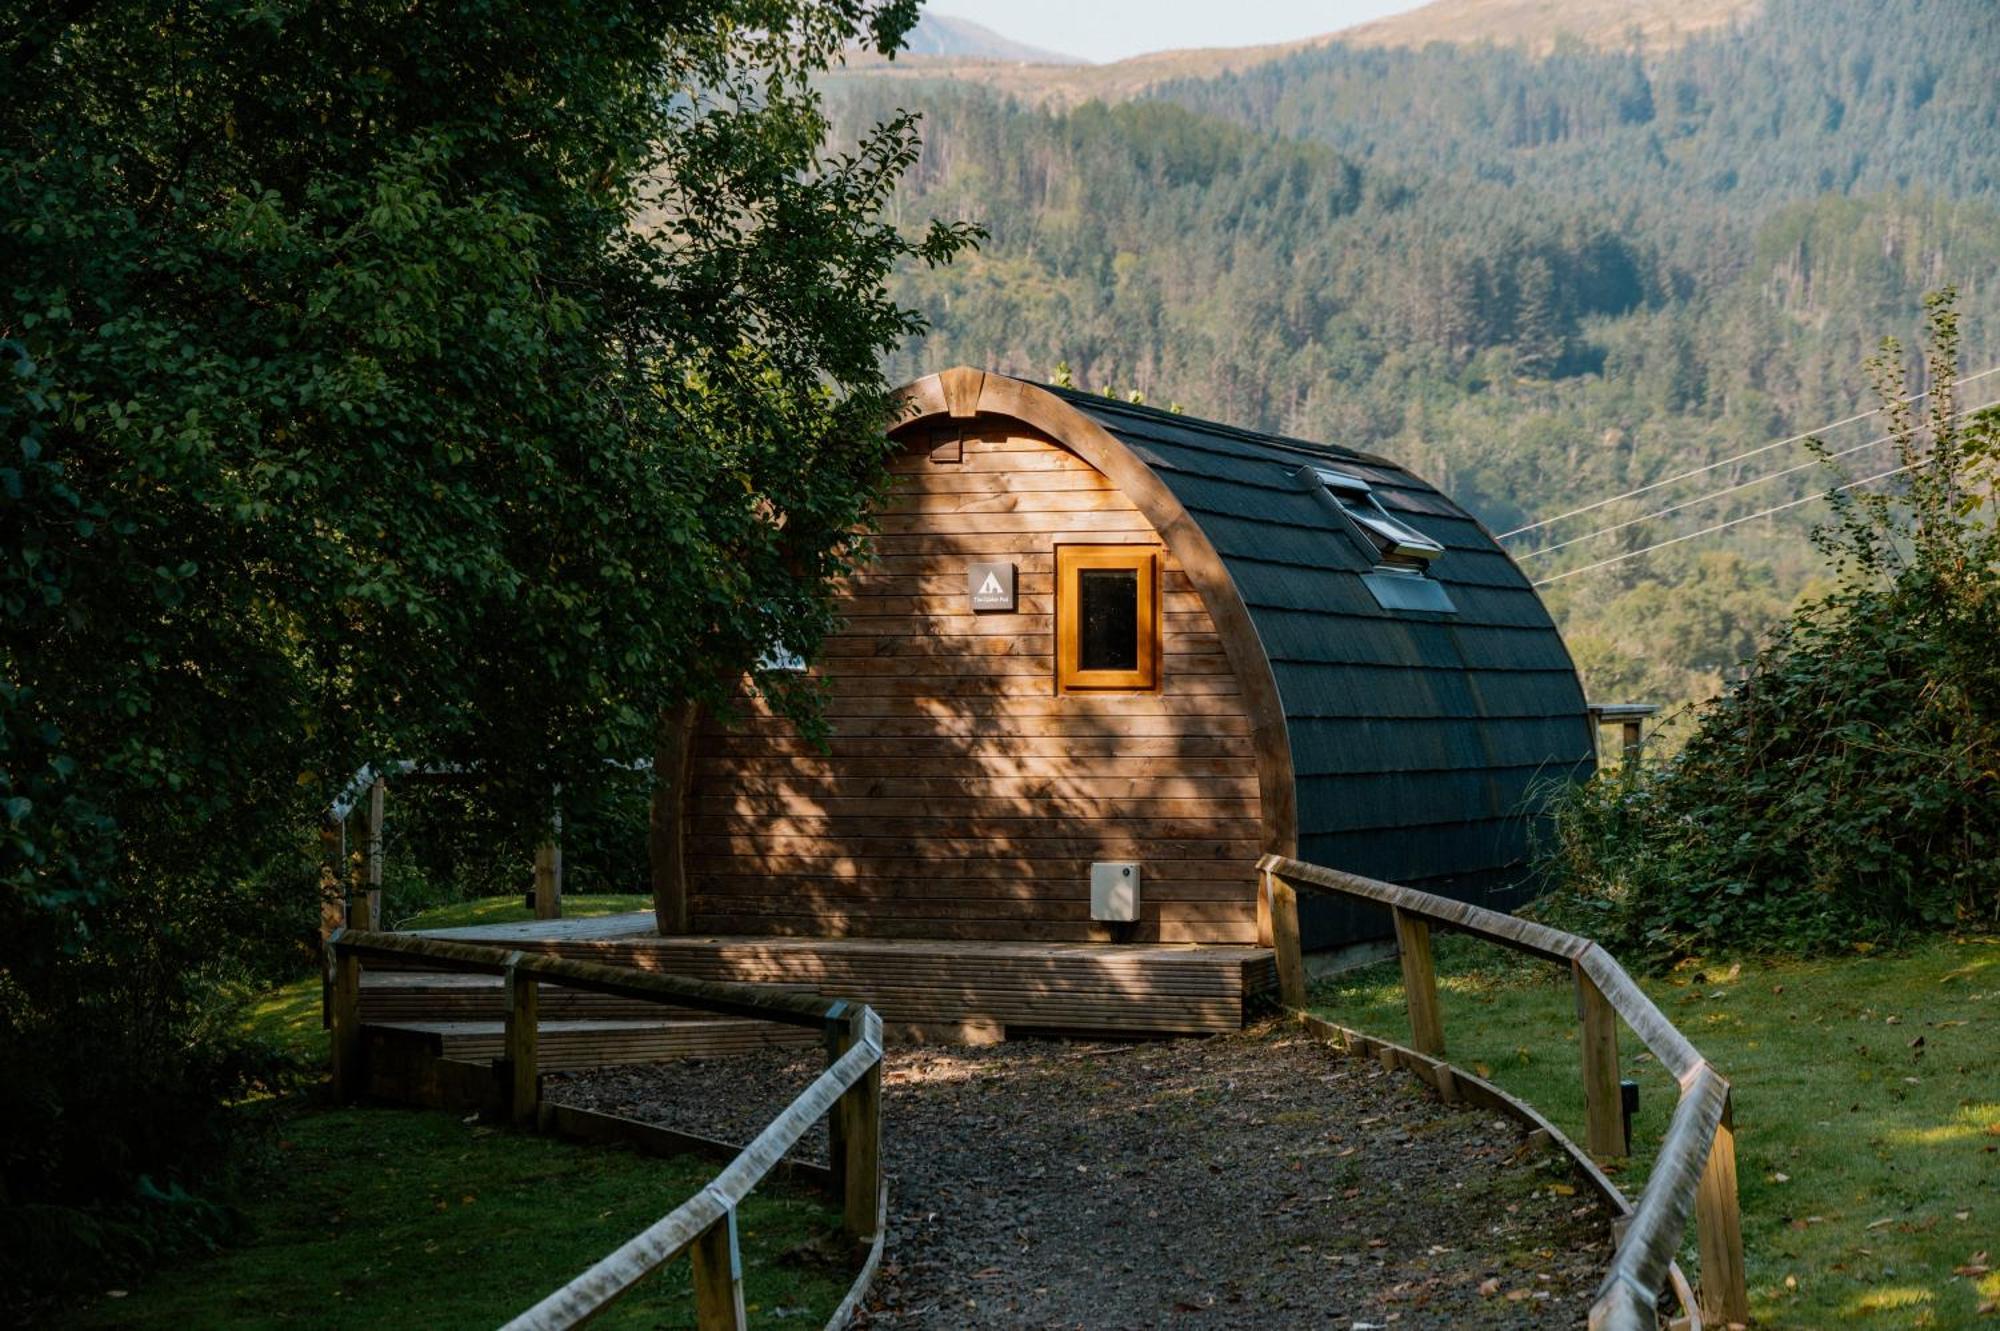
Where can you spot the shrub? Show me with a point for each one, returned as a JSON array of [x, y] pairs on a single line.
[[1844, 790]]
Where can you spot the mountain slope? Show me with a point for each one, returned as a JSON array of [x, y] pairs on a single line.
[[1539, 25], [949, 37], [1535, 26], [1538, 281]]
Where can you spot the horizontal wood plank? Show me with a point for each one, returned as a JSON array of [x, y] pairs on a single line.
[[952, 689], [869, 807], [723, 745], [989, 727], [957, 791], [981, 829]]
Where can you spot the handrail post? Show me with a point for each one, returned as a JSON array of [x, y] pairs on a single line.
[[1284, 899], [718, 1277], [839, 1037], [549, 872], [854, 1131], [1604, 1110], [377, 793], [353, 906], [331, 913], [1719, 1228], [344, 1015], [523, 1055], [548, 881], [1420, 994], [332, 895], [1266, 937]]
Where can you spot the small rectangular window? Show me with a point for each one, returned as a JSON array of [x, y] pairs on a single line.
[[1406, 589], [1107, 618]]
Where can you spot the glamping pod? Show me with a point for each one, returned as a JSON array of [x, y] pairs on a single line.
[[1105, 656]]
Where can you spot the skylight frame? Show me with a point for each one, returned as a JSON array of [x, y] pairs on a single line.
[[1394, 541]]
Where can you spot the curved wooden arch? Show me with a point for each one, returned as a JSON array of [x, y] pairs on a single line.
[[963, 393]]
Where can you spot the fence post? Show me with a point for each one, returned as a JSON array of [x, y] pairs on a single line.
[[1719, 1229], [1604, 1110], [549, 874], [332, 892], [854, 1130], [718, 1277], [1420, 991], [839, 1034], [377, 793], [344, 1015], [523, 1018], [331, 912], [1284, 899], [861, 1183]]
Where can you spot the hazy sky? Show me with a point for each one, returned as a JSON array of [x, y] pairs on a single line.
[[1114, 29]]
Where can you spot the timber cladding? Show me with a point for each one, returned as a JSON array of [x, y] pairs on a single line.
[[961, 795], [1301, 697]]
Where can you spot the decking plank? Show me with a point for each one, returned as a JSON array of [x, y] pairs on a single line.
[[916, 984]]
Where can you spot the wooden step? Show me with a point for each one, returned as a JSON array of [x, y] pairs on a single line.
[[566, 1046], [950, 987], [434, 996]]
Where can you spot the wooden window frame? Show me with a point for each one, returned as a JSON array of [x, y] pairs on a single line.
[[1141, 559]]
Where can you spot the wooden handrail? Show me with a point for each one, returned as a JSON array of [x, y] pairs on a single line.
[[1695, 1171], [729, 998], [704, 1226], [345, 902], [679, 1230]]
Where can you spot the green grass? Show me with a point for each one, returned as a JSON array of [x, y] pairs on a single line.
[[375, 1217], [1867, 1108], [371, 1217], [514, 910]]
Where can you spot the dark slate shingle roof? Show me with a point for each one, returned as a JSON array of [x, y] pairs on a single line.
[[1423, 743]]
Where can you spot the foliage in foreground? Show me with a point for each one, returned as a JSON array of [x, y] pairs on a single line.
[[461, 382], [1845, 790]]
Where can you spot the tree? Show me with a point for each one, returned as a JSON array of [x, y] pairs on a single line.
[[1843, 790], [465, 382], [1538, 331]]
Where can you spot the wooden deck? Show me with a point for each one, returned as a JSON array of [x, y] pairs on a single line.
[[571, 1045], [925, 990]]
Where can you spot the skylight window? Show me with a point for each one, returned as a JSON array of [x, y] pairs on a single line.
[[1395, 542]]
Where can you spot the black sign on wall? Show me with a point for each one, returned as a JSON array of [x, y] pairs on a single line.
[[991, 585]]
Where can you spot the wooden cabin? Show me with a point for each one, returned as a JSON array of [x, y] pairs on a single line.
[[1103, 657]]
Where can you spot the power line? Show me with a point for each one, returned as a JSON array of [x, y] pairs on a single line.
[[1726, 490], [1697, 471], [1707, 531]]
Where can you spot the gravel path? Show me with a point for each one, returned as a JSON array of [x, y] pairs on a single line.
[[1256, 1180]]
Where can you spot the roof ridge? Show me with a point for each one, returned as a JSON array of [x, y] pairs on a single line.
[[1079, 398]]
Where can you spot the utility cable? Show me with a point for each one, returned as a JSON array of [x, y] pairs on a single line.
[[1726, 490], [1707, 531], [1697, 471]]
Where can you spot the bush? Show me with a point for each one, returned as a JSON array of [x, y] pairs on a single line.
[[1844, 790], [471, 384]]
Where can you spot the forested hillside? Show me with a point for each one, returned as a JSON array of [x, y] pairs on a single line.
[[1540, 281]]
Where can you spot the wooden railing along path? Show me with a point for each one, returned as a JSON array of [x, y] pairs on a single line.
[[351, 893], [1695, 1171], [848, 1094]]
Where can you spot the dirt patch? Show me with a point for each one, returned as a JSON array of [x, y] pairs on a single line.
[[1255, 1180]]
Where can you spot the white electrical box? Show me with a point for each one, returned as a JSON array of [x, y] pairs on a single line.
[[1114, 891]]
